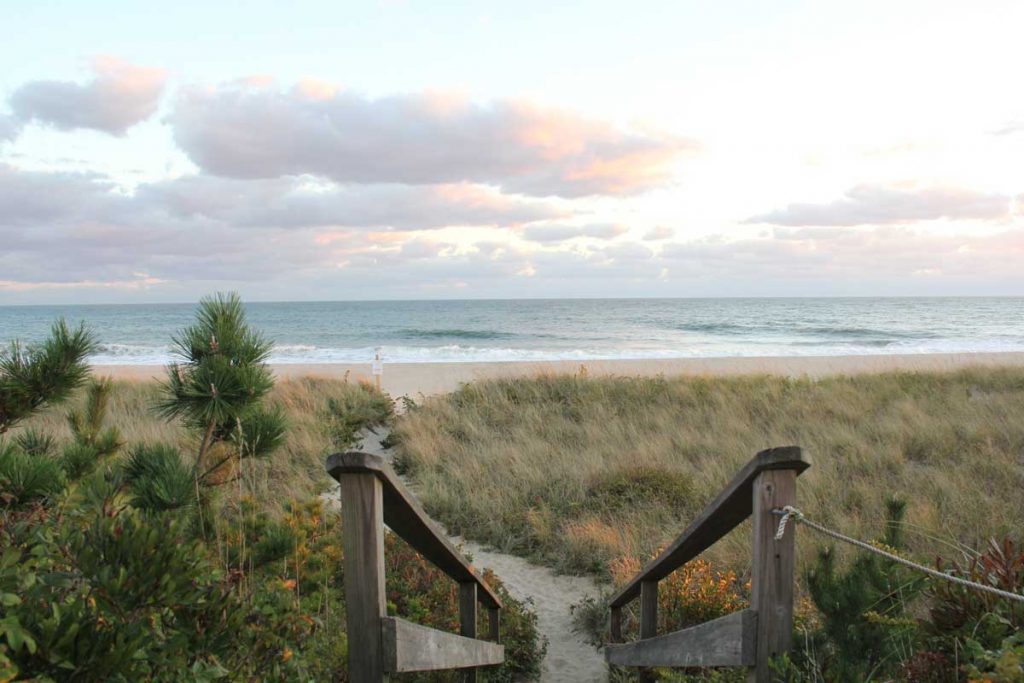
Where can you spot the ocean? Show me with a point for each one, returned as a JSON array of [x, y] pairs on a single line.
[[560, 329]]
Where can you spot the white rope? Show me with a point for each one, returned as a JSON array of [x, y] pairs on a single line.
[[789, 512]]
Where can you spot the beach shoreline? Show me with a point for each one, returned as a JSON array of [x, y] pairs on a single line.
[[414, 379]]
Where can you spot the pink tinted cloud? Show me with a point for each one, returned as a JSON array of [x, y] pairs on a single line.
[[119, 96], [261, 132]]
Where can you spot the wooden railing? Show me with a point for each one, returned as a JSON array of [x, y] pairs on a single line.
[[747, 638], [372, 496]]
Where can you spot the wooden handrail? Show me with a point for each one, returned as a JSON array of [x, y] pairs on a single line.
[[747, 638], [404, 516], [730, 508], [372, 497]]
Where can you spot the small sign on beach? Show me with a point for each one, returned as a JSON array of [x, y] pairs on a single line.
[[377, 367]]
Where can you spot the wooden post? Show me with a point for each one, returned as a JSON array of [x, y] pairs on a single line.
[[365, 602], [467, 620], [772, 570], [648, 619], [615, 625], [494, 624]]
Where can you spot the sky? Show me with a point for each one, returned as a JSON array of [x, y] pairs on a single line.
[[423, 150]]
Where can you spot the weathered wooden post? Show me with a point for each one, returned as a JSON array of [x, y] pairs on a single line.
[[372, 496], [648, 619], [362, 509], [494, 624], [467, 620], [771, 595], [615, 625]]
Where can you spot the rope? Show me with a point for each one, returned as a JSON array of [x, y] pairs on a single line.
[[789, 512]]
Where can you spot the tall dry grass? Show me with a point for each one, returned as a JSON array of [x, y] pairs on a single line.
[[293, 472], [575, 472]]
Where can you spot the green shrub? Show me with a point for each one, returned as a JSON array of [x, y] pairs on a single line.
[[958, 612], [1001, 664], [865, 626], [640, 485], [354, 411]]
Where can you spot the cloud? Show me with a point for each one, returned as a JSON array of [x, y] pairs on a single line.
[[241, 131], [852, 253], [307, 202], [81, 227], [1009, 128], [882, 204], [9, 127], [120, 96], [557, 232], [659, 232]]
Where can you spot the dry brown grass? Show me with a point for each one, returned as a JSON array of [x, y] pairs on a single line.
[[294, 472], [525, 464]]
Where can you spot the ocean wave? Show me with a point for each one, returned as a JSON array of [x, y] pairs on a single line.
[[127, 354], [867, 332], [455, 334]]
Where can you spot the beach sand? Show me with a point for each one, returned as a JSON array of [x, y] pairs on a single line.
[[415, 379]]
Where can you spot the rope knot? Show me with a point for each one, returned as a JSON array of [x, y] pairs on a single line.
[[787, 513]]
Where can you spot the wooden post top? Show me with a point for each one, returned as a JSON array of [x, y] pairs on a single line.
[[731, 506], [404, 516]]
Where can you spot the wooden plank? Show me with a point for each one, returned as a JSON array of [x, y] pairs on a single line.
[[615, 625], [771, 579], [494, 624], [411, 647], [726, 641], [729, 508], [403, 514], [648, 619], [467, 620], [365, 601]]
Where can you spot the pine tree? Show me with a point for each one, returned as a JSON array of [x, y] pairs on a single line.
[[864, 608], [33, 376], [217, 388]]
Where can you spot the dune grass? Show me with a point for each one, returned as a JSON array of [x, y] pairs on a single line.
[[323, 416], [577, 472]]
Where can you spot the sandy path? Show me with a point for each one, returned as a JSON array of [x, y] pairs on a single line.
[[569, 659]]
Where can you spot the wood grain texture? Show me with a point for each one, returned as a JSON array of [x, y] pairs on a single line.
[[771, 579], [365, 598], [467, 620], [411, 647], [726, 641]]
